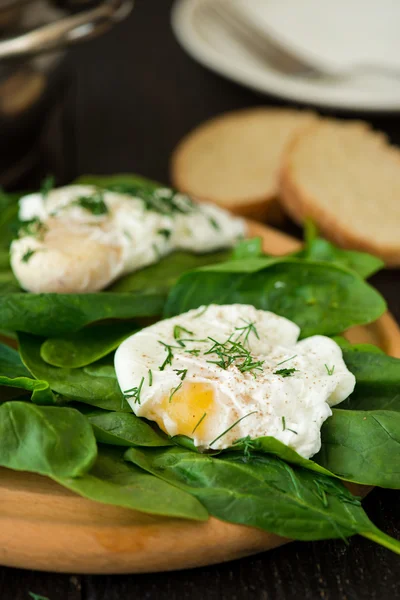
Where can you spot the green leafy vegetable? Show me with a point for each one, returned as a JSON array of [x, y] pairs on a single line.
[[113, 481], [251, 248], [95, 384], [319, 249], [56, 314], [378, 379], [85, 346], [123, 429], [265, 493], [14, 374], [162, 275], [37, 596], [320, 297], [362, 446], [52, 441]]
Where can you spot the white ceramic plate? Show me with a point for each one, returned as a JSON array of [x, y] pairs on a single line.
[[216, 47]]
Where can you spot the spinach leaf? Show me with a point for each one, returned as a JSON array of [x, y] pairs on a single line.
[[14, 374], [86, 346], [57, 314], [270, 445], [113, 481], [265, 492], [362, 446], [319, 249], [362, 263], [320, 297], [95, 384], [251, 248], [162, 275], [119, 181], [377, 379], [123, 429], [52, 441], [8, 218]]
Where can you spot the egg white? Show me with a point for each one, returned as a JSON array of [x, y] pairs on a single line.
[[82, 252], [217, 406]]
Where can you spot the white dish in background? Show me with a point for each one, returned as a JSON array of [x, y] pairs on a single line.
[[207, 40]]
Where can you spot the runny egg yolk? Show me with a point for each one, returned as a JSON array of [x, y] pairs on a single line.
[[189, 407]]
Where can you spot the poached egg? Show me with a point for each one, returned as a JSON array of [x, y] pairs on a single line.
[[80, 239], [221, 373]]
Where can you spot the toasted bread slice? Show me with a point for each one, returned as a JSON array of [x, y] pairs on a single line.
[[233, 160], [346, 177]]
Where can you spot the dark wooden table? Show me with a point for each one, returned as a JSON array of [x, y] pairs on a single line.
[[133, 94]]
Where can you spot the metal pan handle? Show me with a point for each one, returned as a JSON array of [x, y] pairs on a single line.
[[66, 31]]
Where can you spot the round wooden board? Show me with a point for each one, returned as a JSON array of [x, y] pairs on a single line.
[[45, 527]]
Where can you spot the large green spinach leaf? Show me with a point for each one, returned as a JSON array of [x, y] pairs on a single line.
[[265, 492], [113, 481], [362, 446], [378, 380], [57, 314], [124, 429], [86, 346], [320, 297], [161, 276], [316, 248], [52, 441], [362, 263], [95, 384]]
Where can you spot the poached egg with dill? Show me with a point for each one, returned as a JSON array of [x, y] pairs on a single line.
[[221, 373], [79, 238]]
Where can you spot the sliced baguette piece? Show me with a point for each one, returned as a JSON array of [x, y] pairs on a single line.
[[345, 177], [233, 160]]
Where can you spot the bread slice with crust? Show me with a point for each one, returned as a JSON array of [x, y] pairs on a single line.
[[233, 160], [345, 177]]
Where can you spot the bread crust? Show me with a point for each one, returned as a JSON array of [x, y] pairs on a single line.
[[300, 205], [260, 207]]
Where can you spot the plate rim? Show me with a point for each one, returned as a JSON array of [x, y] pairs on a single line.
[[283, 86]]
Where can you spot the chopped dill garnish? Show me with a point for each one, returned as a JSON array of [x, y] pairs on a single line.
[[181, 373], [34, 227], [321, 493], [199, 314], [134, 392], [165, 232], [232, 426], [127, 235], [170, 355], [28, 255], [246, 330], [178, 330], [285, 372], [94, 204], [174, 390], [161, 200], [230, 353], [150, 377], [286, 359], [47, 185], [199, 422], [330, 370], [284, 428], [195, 351], [248, 445], [214, 223]]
